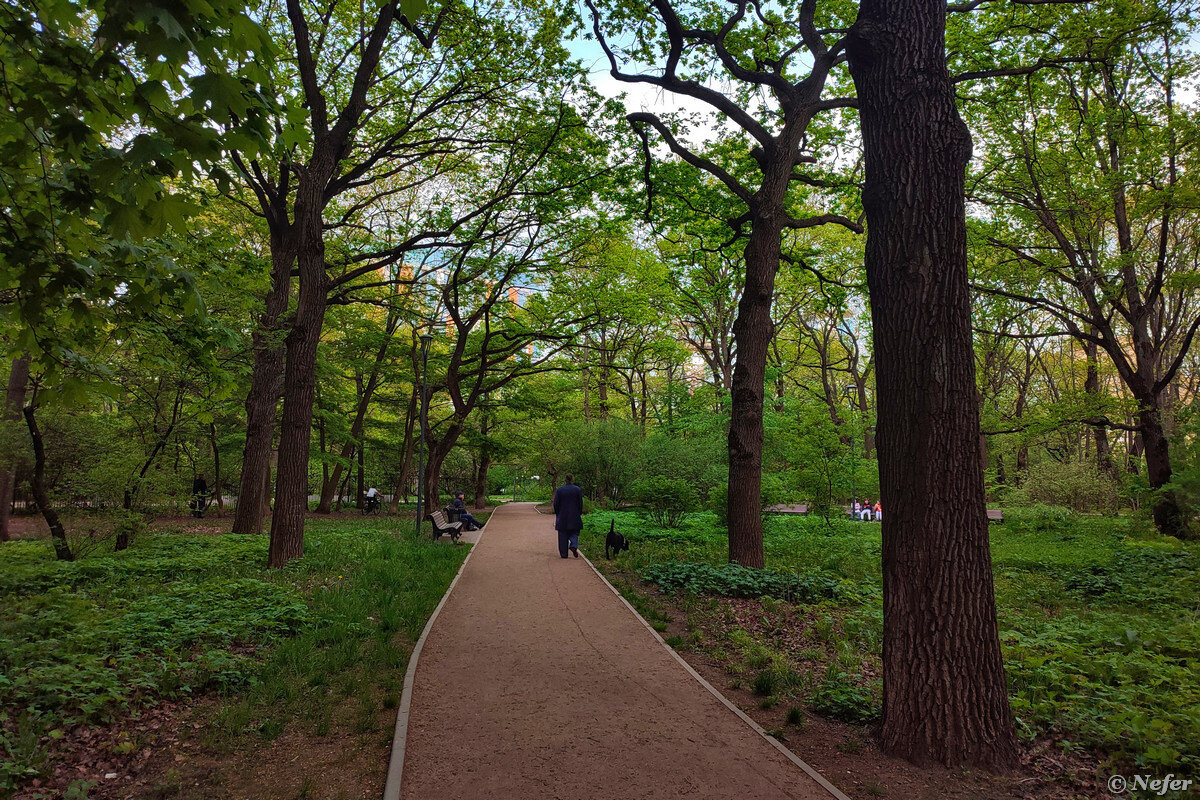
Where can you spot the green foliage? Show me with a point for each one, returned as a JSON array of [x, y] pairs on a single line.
[[85, 641], [668, 500], [1097, 617], [734, 580], [772, 491], [109, 107], [840, 697], [698, 459], [1075, 485]]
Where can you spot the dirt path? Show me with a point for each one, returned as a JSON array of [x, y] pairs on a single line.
[[537, 682]]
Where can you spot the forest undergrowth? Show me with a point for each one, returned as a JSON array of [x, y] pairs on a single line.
[[1098, 619], [93, 641]]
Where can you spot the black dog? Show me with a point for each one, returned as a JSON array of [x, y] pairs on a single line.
[[614, 542]]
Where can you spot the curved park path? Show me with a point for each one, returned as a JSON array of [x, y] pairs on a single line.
[[537, 681]]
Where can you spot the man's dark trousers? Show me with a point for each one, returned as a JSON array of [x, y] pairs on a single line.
[[567, 540]]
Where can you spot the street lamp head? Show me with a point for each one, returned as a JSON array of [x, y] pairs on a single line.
[[851, 395]]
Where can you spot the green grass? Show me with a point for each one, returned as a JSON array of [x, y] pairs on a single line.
[[1099, 619], [85, 642]]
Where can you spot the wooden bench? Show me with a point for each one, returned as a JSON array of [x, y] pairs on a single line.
[[442, 525], [995, 515], [787, 509]]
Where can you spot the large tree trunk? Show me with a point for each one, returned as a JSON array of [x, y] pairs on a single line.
[[295, 432], [944, 695], [266, 382], [14, 401], [57, 533], [1169, 518], [752, 332]]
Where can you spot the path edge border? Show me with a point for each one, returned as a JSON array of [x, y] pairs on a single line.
[[395, 773], [760, 730]]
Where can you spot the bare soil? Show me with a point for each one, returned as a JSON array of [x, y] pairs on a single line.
[[168, 752]]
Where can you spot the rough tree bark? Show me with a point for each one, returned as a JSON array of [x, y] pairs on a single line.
[[300, 377], [752, 331], [945, 700], [266, 383], [14, 401]]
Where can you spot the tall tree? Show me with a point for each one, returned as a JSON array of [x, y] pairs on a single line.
[[945, 699], [1090, 172], [760, 51]]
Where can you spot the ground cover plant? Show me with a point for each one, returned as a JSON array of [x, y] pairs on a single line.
[[91, 641], [1098, 617]]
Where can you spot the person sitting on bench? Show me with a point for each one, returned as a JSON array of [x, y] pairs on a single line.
[[865, 513], [460, 507]]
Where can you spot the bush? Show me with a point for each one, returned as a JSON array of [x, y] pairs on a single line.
[[1039, 518], [1073, 484], [840, 699], [668, 500]]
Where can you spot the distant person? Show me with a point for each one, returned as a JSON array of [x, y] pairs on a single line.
[[372, 499], [459, 505], [865, 515], [856, 510], [879, 511], [568, 516], [199, 495]]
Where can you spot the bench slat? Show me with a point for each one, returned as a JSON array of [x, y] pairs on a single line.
[[440, 526]]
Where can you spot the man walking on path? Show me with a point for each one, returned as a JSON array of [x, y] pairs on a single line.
[[568, 516]]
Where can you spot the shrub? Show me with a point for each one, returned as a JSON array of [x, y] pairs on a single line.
[[840, 699], [668, 499], [1075, 485], [1039, 518], [718, 502]]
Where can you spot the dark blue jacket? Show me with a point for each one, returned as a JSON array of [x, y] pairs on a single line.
[[568, 508]]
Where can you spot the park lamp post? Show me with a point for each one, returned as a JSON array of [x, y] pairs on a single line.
[[426, 338]]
